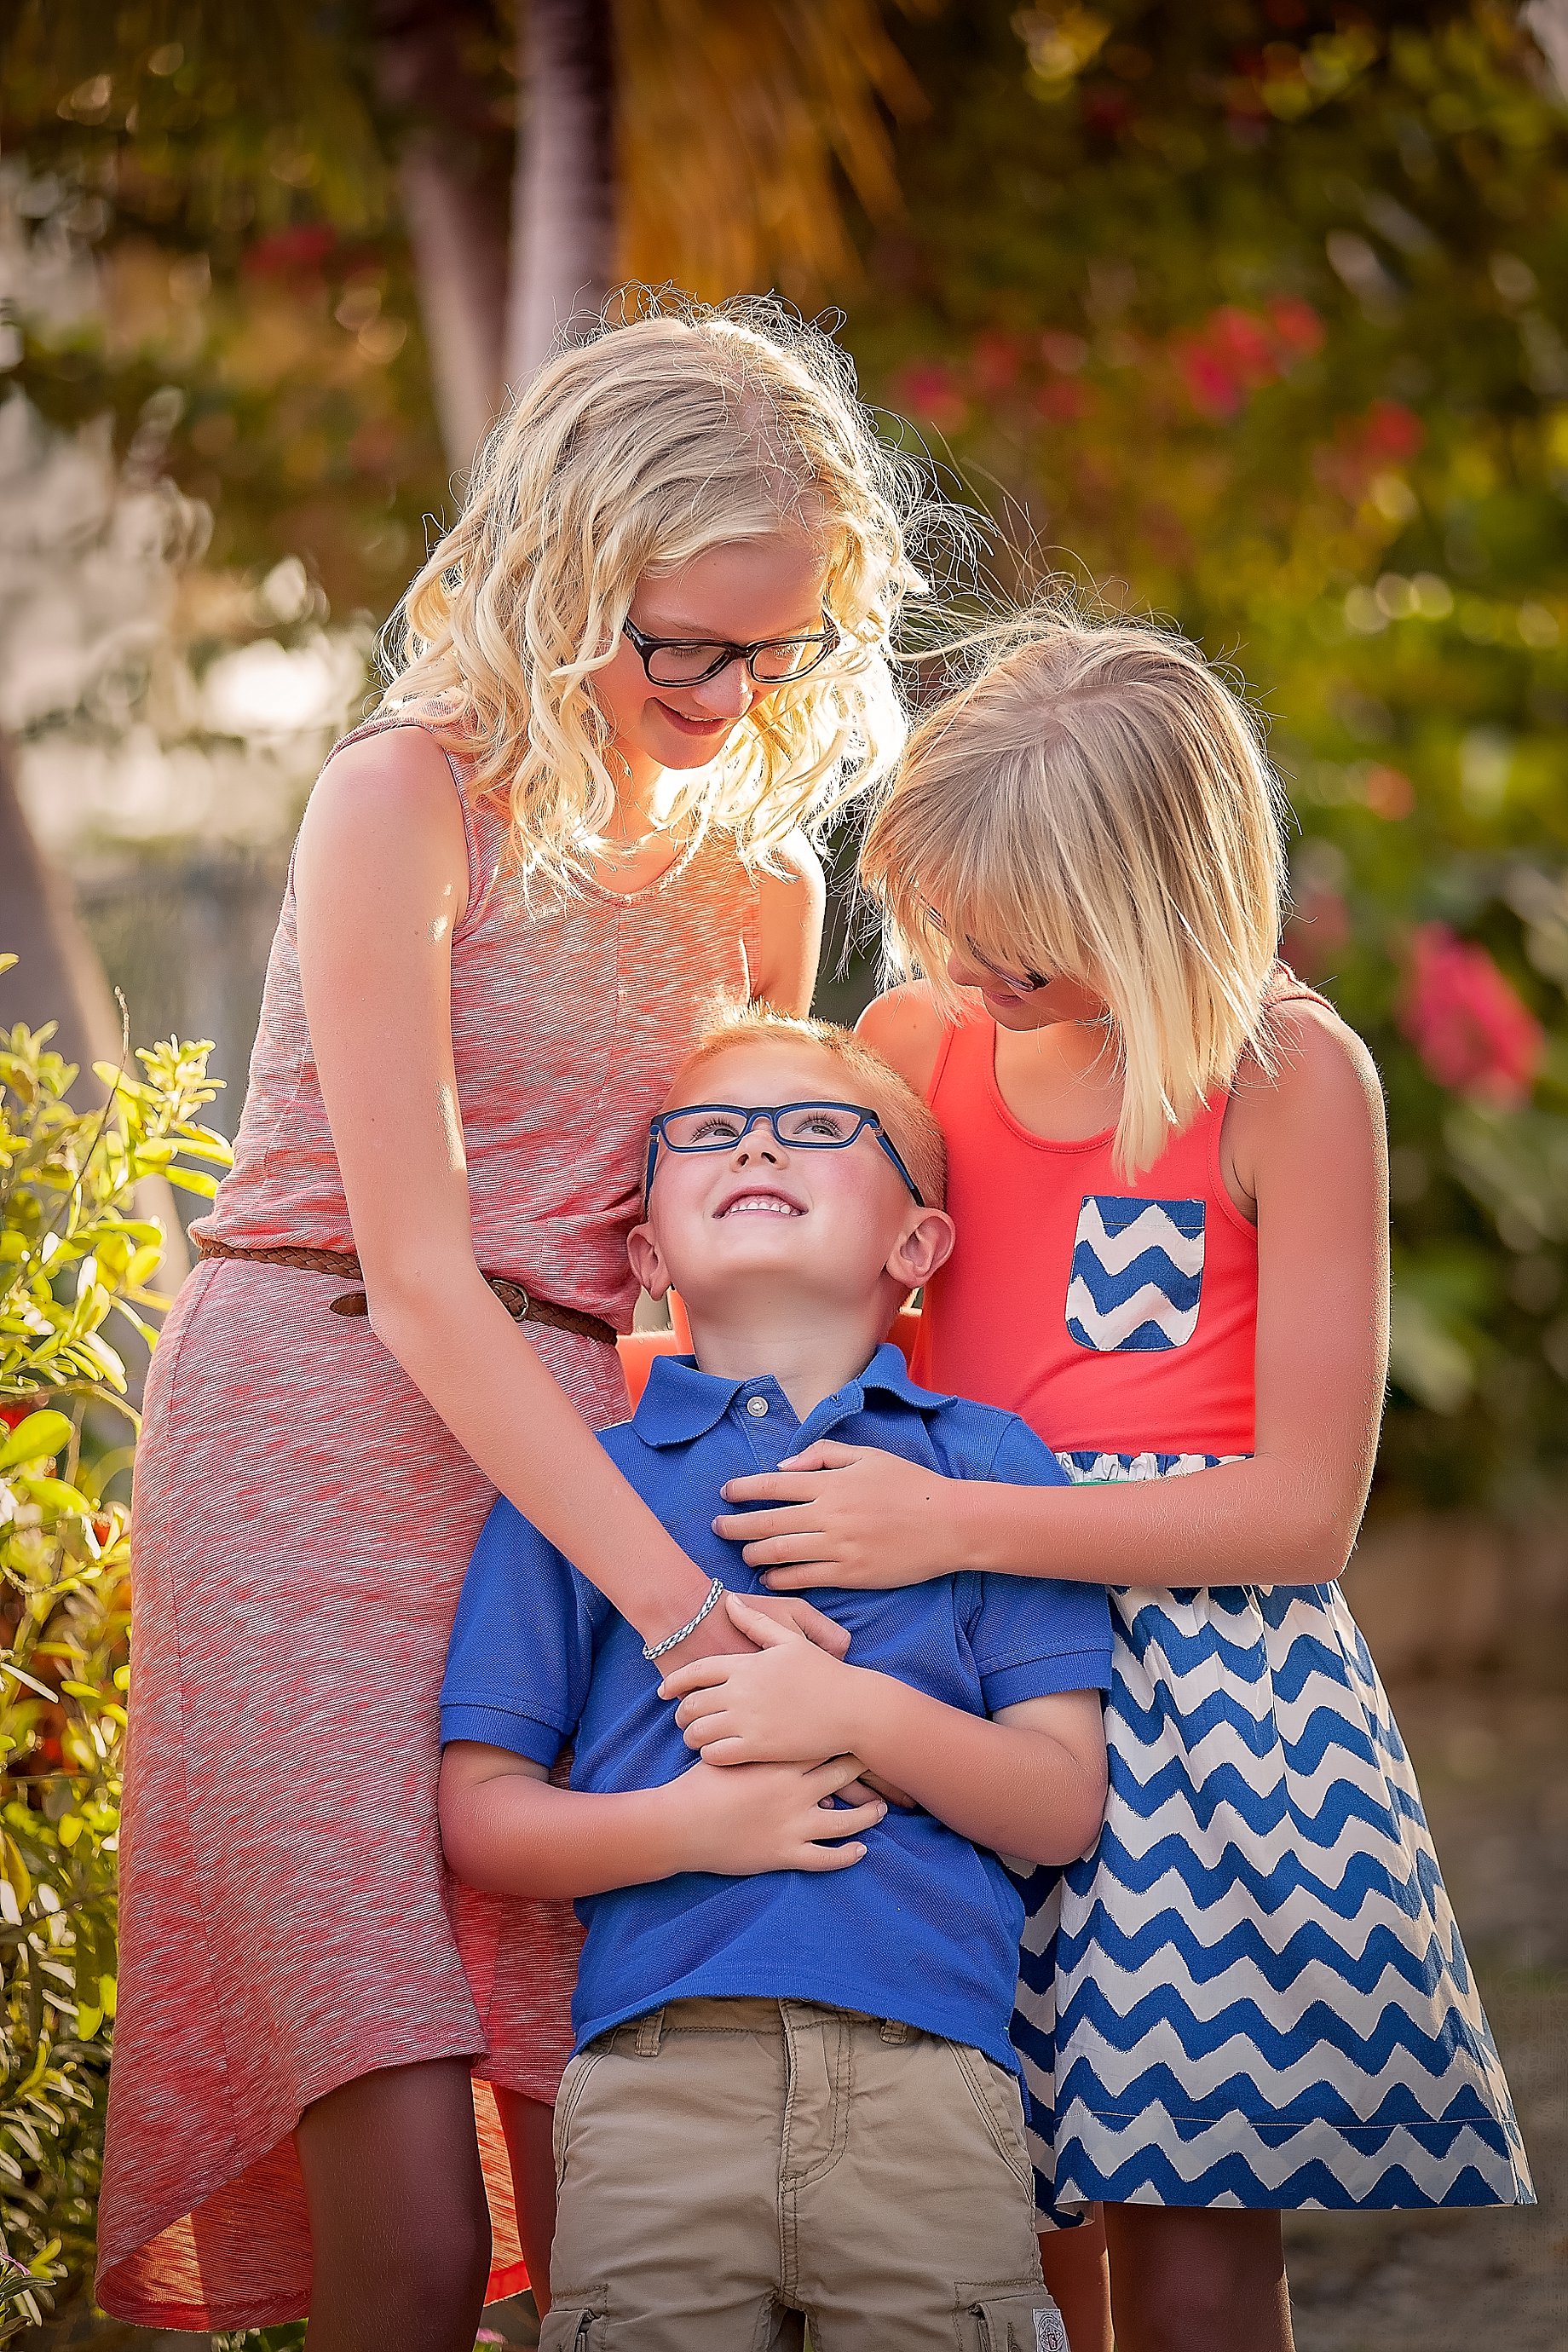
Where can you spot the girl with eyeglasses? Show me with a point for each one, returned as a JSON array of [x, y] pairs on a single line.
[[629, 687], [1167, 1171]]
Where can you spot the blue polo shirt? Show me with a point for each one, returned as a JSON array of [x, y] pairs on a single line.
[[926, 1927]]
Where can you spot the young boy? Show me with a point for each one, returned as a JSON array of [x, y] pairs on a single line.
[[794, 2096]]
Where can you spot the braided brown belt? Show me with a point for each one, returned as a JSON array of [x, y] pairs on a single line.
[[519, 1304]]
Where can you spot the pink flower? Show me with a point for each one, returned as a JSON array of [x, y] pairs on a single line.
[[1467, 1021], [1211, 385]]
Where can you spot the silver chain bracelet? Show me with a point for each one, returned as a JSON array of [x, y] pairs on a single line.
[[673, 1641]]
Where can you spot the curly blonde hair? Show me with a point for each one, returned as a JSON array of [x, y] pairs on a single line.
[[1096, 803], [684, 428]]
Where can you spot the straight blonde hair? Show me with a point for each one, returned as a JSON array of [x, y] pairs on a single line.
[[683, 428], [1097, 803]]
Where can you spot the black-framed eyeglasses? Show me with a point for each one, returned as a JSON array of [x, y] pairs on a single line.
[[692, 661], [1018, 984], [797, 1126]]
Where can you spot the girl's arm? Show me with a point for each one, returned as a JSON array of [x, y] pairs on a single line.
[[381, 881], [790, 907], [1309, 1147], [1030, 1782], [507, 1829]]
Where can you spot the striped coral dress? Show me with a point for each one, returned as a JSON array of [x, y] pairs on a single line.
[[302, 1521], [1252, 1992]]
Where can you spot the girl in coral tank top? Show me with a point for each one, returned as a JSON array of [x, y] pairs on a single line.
[[1167, 1174]]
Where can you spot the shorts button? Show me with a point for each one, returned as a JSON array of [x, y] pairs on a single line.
[[757, 1406]]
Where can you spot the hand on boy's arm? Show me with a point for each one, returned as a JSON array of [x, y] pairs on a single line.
[[1031, 1782], [847, 1515], [509, 1830]]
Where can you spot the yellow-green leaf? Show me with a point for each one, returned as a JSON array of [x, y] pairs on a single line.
[[35, 1439]]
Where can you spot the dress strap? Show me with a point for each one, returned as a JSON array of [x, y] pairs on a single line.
[[383, 722]]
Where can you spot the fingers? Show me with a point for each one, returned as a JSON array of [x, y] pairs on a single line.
[[702, 1673], [731, 1749], [832, 1779], [850, 1819], [872, 1783], [804, 1578], [769, 1486], [829, 1857], [826, 1632], [743, 1527], [828, 1453], [699, 1703], [759, 1625], [802, 1550], [858, 1792]]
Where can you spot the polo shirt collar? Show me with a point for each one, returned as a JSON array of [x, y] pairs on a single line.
[[680, 1403]]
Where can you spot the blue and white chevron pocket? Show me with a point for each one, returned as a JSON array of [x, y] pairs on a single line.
[[1137, 1271]]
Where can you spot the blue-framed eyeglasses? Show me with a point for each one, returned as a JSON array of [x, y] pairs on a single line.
[[798, 1126]]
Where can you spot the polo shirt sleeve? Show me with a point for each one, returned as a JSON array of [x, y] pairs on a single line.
[[1032, 1636], [521, 1649]]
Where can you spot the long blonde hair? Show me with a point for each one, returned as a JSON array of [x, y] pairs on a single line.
[[686, 428], [1097, 803]]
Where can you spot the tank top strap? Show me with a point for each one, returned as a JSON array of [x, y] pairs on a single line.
[[482, 858], [965, 1061]]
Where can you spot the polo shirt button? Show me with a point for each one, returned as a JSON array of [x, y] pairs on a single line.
[[757, 1406]]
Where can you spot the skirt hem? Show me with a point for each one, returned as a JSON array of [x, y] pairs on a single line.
[[146, 2311]]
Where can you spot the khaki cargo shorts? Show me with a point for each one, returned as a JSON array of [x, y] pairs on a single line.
[[732, 2170]]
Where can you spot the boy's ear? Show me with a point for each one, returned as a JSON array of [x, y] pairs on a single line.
[[645, 1261], [927, 1246]]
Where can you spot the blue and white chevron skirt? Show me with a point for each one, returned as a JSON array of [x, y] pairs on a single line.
[[1253, 1991]]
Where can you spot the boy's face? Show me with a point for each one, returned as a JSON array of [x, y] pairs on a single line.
[[759, 1219]]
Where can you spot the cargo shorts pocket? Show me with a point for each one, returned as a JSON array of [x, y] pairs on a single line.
[[579, 2323], [1000, 2103], [1013, 2318], [573, 2084]]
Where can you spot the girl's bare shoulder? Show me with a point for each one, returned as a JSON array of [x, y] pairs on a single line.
[[1316, 1087], [395, 784], [906, 1025], [384, 828]]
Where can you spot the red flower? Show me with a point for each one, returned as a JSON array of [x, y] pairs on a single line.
[[1467, 1021], [1210, 387], [929, 389], [1297, 325], [290, 250], [1060, 403], [996, 362]]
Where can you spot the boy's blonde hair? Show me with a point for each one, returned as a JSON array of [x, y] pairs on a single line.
[[1097, 803], [688, 428], [912, 1128]]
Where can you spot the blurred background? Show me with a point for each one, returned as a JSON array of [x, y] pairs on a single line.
[[1251, 315]]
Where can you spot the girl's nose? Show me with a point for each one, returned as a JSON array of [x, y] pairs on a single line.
[[729, 695]]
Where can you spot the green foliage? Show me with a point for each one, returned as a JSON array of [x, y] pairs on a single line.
[[1246, 314], [73, 1253]]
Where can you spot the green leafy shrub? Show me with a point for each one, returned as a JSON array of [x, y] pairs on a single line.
[[75, 1255]]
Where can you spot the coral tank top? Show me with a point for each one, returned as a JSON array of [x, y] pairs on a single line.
[[1112, 1317]]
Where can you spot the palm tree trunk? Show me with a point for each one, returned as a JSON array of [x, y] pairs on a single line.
[[454, 176], [564, 193]]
